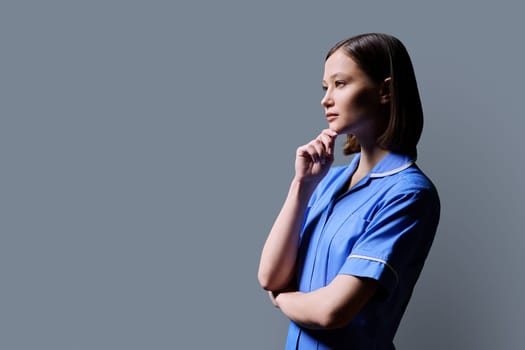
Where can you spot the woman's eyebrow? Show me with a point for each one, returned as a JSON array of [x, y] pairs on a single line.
[[337, 75]]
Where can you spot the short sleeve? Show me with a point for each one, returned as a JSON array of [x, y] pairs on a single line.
[[397, 238]]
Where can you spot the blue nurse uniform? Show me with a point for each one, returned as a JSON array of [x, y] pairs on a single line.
[[382, 228]]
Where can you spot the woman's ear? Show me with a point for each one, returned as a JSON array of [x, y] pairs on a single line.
[[385, 90]]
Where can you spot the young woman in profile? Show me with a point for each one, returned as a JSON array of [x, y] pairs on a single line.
[[349, 243]]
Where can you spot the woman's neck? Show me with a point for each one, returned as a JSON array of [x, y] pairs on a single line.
[[370, 156]]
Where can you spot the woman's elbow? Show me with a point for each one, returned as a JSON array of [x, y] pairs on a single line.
[[269, 281], [264, 280]]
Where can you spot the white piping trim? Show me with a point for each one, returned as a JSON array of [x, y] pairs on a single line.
[[377, 260], [391, 172]]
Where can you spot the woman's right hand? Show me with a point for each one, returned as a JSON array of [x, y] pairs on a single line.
[[314, 159]]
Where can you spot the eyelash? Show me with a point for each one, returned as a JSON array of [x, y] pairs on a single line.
[[337, 83]]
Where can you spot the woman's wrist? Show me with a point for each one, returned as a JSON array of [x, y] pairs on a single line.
[[303, 187]]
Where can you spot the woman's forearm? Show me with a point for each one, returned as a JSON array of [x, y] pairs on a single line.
[[302, 308], [278, 258], [277, 264], [331, 306]]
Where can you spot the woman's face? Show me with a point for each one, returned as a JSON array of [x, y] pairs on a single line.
[[352, 101]]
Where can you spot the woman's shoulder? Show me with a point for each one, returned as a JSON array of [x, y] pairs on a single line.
[[413, 182], [415, 178]]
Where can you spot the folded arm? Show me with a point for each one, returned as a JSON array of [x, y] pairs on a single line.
[[332, 306]]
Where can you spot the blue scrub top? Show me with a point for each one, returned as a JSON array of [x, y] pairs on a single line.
[[381, 229]]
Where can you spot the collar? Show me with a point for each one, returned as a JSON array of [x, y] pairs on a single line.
[[391, 164]]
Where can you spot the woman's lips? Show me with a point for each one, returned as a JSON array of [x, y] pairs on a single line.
[[331, 116]]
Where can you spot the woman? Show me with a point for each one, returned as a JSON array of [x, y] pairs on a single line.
[[349, 243]]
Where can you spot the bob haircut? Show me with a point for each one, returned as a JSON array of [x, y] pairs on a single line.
[[381, 56]]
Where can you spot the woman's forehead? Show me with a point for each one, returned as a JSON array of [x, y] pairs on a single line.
[[340, 63]]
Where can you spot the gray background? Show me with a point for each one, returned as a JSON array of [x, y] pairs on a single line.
[[146, 147]]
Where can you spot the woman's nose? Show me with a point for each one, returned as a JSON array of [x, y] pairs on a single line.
[[326, 100]]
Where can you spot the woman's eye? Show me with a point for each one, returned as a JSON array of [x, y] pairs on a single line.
[[325, 88], [339, 83]]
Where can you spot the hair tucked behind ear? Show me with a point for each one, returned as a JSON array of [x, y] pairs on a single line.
[[381, 56]]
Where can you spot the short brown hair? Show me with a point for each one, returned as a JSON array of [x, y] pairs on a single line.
[[381, 56]]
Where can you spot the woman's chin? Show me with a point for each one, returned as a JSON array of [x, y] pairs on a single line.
[[339, 130]]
